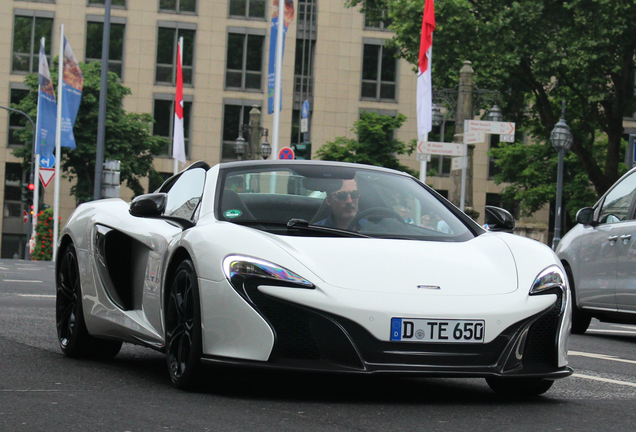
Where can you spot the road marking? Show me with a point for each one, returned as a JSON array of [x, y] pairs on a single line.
[[607, 380], [600, 356], [612, 331], [37, 295], [20, 280]]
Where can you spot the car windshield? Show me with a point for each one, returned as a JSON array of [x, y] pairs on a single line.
[[335, 200]]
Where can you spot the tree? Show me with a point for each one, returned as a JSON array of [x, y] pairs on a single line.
[[128, 137], [538, 53], [375, 144]]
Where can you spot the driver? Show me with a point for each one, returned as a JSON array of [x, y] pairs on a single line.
[[344, 206]]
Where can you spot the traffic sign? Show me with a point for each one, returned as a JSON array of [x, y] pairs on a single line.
[[441, 148], [496, 128], [47, 161], [46, 175], [286, 154], [25, 216], [473, 137]]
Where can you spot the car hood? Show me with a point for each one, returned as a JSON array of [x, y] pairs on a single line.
[[483, 265]]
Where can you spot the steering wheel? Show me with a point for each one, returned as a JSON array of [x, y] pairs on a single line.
[[378, 212]]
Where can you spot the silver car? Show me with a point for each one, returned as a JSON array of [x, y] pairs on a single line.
[[599, 256]]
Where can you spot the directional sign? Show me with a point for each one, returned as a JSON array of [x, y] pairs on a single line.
[[473, 137], [496, 128], [440, 148], [458, 163], [286, 154], [46, 175], [47, 161]]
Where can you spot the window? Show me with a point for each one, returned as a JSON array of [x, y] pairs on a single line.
[[440, 165], [178, 6], [235, 114], [13, 190], [16, 120], [307, 12], [244, 60], [27, 32], [303, 68], [167, 40], [616, 204], [377, 19], [379, 69], [247, 8], [163, 113], [94, 34], [185, 193], [115, 3], [493, 169]]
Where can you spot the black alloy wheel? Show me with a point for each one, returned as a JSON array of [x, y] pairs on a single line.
[[183, 328], [72, 334]]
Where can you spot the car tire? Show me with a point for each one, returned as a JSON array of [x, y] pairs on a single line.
[[72, 335], [183, 328], [580, 318], [519, 387]]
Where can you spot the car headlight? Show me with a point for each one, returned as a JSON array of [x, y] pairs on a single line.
[[550, 278], [243, 267]]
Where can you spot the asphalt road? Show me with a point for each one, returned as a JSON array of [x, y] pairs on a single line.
[[40, 390]]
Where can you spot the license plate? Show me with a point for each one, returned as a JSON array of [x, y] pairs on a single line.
[[436, 330]]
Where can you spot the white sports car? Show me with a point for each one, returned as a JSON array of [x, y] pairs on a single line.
[[307, 265]]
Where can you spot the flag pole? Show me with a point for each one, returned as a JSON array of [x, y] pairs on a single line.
[[180, 60], [58, 142], [278, 79], [36, 181]]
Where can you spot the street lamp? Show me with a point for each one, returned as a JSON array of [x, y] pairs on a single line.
[[253, 132], [495, 114], [561, 138]]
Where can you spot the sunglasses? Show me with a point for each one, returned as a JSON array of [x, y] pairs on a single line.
[[342, 195]]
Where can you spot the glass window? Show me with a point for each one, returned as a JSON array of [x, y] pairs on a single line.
[[167, 40], [94, 37], [185, 193], [120, 3], [307, 11], [247, 8], [244, 61], [377, 19], [178, 6], [27, 32], [233, 117], [616, 204], [379, 68], [16, 120], [164, 123]]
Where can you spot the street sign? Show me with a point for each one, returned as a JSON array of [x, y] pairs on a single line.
[[47, 161], [286, 154], [46, 175], [441, 148], [496, 128], [473, 137], [423, 157], [25, 216], [507, 138], [458, 163]]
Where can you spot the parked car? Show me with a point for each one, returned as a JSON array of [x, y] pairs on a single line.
[[306, 265], [599, 256]]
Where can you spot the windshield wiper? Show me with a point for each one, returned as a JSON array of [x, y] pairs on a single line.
[[302, 224]]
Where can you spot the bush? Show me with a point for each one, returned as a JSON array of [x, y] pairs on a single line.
[[43, 249]]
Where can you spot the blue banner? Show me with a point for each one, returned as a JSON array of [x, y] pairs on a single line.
[[47, 109], [72, 95], [273, 39]]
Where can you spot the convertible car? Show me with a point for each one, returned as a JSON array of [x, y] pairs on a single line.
[[313, 266]]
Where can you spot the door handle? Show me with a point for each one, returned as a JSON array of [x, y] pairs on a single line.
[[612, 239], [626, 238]]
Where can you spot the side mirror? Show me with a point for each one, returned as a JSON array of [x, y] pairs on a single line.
[[585, 216], [149, 205], [499, 219]]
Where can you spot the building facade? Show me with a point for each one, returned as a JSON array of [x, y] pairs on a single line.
[[334, 57]]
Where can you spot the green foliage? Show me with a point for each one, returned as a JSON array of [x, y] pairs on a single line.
[[43, 249], [538, 53], [375, 144], [127, 137]]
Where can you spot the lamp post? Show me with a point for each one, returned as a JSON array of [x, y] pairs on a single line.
[[561, 139], [253, 131]]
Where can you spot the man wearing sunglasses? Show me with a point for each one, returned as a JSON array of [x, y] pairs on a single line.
[[344, 206]]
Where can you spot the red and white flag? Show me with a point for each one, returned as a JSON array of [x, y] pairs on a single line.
[[424, 87], [178, 142]]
